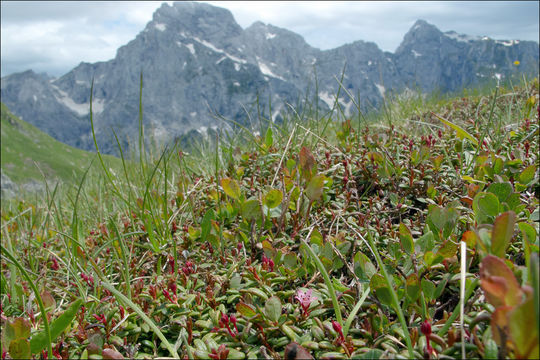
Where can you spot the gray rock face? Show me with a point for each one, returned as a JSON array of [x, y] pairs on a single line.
[[7, 187], [448, 61], [198, 62]]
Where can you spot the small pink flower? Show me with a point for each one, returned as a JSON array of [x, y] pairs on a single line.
[[305, 299]]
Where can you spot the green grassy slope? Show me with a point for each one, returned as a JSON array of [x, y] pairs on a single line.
[[25, 148]]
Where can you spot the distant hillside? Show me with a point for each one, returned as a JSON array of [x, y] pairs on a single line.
[[24, 146]]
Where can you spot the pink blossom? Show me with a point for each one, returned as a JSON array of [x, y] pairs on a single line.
[[305, 299]]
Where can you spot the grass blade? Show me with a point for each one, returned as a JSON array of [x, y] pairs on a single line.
[[122, 298], [326, 277], [462, 133]]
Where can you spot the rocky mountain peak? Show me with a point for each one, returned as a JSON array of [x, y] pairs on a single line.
[[199, 19], [420, 32], [271, 32]]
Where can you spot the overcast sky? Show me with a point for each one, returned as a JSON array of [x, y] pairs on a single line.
[[54, 37]]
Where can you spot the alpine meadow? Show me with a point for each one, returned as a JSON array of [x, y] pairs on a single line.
[[229, 194]]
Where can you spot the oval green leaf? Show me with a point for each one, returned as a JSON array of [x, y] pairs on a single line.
[[315, 187], [502, 232], [378, 284], [231, 188], [273, 198], [251, 209], [406, 239], [272, 308], [527, 175], [485, 204], [245, 310]]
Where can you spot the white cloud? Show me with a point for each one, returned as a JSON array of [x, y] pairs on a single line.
[[56, 36]]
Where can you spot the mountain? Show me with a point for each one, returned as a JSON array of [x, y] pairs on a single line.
[[26, 152], [198, 63]]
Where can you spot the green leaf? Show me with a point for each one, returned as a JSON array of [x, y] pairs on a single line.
[[251, 209], [290, 260], [363, 267], [405, 236], [20, 349], [437, 217], [269, 138], [246, 310], [428, 289], [21, 328], [498, 165], [485, 205], [272, 308], [231, 188], [371, 354], [501, 190], [273, 198], [425, 242], [39, 341], [461, 133], [378, 284], [523, 330], [503, 230], [413, 287], [431, 259], [513, 201], [338, 286], [527, 175], [315, 187], [206, 224], [447, 249], [316, 238], [528, 232]]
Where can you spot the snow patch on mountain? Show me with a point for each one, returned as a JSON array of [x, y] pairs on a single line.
[[215, 49], [80, 109], [266, 70], [460, 37], [327, 98], [380, 88]]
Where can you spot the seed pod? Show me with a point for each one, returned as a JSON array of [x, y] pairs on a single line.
[[201, 354], [288, 331], [199, 344], [236, 355], [211, 344], [279, 342], [312, 345], [317, 333], [325, 344], [203, 324], [332, 355]]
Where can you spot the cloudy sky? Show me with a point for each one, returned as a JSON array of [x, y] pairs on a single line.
[[56, 36]]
